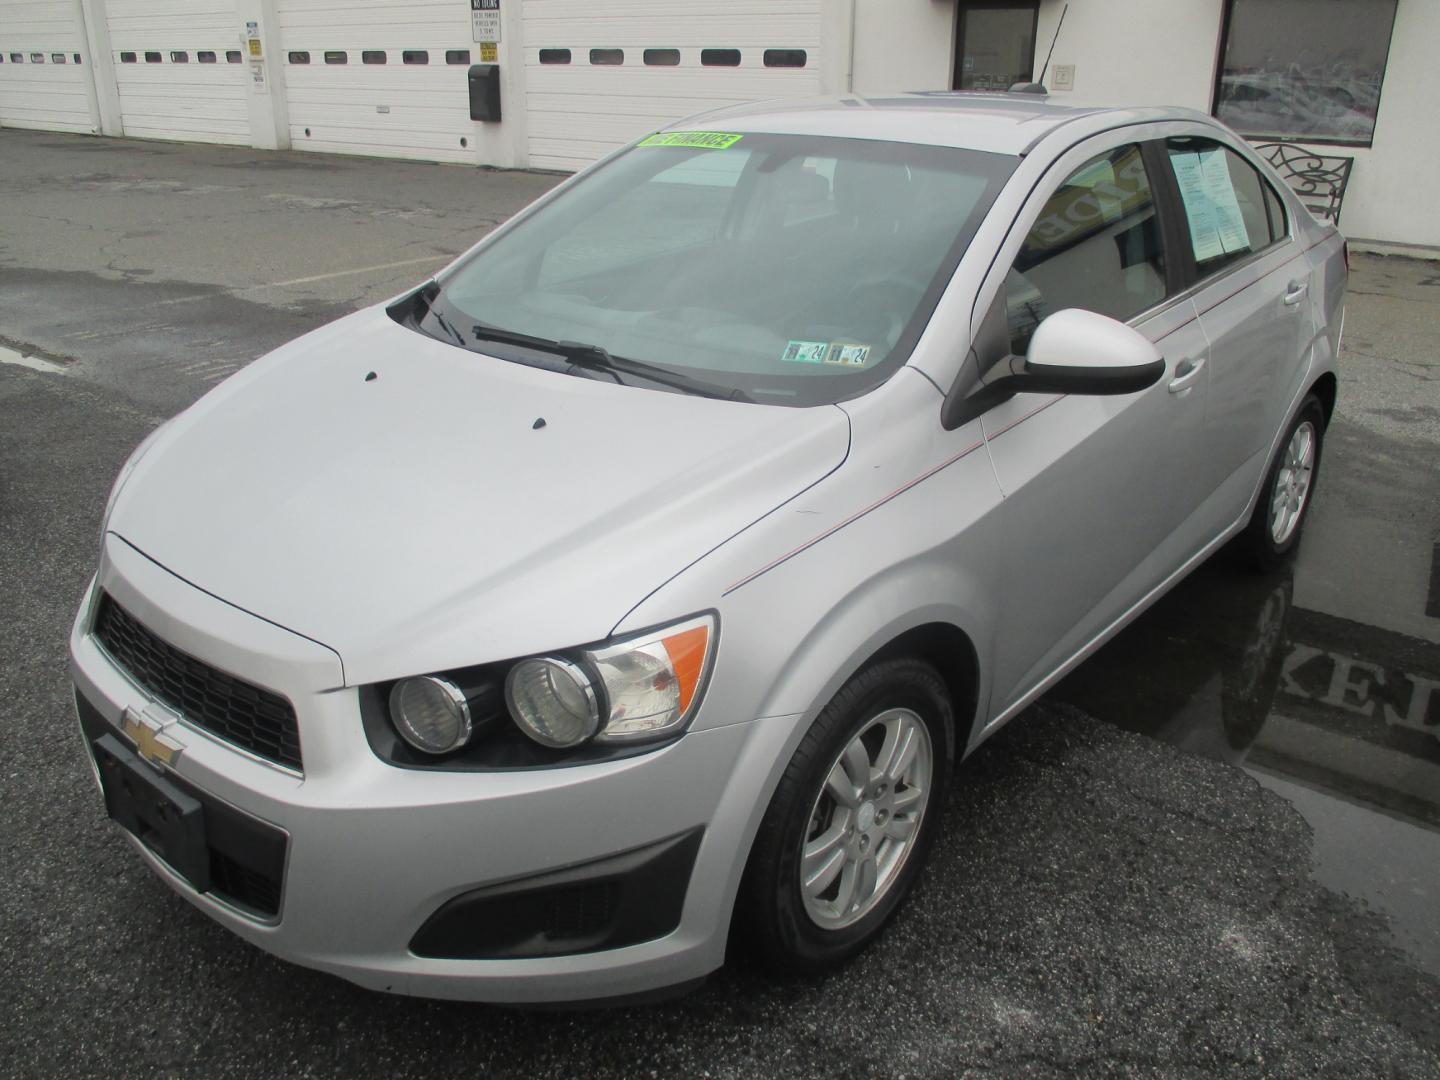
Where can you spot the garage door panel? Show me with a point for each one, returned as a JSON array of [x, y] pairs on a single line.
[[392, 109], [48, 106], [663, 88], [734, 11], [179, 100], [579, 111], [44, 95], [51, 21], [696, 33], [406, 144]]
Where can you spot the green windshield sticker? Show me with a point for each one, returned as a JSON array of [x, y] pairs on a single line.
[[847, 353], [805, 352], [844, 353], [705, 140]]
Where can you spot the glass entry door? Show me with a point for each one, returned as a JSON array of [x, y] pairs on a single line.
[[994, 44]]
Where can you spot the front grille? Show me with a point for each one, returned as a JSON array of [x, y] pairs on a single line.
[[261, 722], [246, 856]]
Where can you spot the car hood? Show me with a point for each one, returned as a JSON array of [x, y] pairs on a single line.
[[417, 507]]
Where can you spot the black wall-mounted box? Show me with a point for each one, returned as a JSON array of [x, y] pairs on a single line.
[[484, 91]]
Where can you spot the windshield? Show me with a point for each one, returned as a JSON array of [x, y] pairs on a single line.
[[783, 269]]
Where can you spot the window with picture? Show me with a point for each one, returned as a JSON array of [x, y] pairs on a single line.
[[1304, 70]]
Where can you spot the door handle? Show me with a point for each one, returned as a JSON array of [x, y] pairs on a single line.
[[1186, 372], [1295, 292]]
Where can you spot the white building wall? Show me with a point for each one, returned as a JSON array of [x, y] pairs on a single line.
[[1390, 199], [907, 45], [1133, 52]]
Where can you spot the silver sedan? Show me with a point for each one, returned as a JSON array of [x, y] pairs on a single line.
[[635, 583]]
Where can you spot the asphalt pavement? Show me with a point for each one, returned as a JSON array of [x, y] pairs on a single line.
[[1101, 901]]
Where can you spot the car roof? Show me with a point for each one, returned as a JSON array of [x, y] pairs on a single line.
[[1003, 123]]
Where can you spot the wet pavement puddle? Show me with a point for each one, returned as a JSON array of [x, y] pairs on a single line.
[[1340, 717]]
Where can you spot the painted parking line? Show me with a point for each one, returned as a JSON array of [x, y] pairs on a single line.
[[349, 273], [34, 363], [208, 294]]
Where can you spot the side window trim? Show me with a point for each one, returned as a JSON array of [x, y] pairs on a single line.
[[1174, 238]]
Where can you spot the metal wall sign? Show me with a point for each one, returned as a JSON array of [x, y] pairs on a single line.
[[485, 20]]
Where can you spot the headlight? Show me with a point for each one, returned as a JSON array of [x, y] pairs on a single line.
[[643, 687], [431, 714], [653, 682], [553, 701]]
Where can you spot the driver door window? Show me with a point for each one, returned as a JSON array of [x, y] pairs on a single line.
[[1096, 245]]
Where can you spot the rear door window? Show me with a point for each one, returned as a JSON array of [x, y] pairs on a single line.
[[1224, 202]]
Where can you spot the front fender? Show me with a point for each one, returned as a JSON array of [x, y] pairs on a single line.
[[899, 537]]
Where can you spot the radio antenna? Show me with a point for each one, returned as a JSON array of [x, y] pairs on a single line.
[[1041, 79]]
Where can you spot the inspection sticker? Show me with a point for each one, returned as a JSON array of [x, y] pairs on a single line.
[[806, 352], [706, 140], [847, 353]]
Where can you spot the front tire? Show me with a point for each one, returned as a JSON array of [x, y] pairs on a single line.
[[851, 821], [1274, 529]]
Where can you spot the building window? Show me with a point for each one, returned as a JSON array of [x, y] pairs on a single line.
[[720, 57], [152, 58], [125, 58], [337, 56], [662, 57], [179, 57], [299, 58], [57, 58], [607, 56], [205, 57], [784, 57], [1304, 70], [554, 56], [232, 56], [457, 56], [995, 44], [415, 56]]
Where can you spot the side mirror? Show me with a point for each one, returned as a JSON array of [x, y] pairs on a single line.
[[1072, 352], [1080, 352]]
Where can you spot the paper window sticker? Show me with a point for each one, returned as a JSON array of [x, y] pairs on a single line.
[[1220, 189], [1204, 232]]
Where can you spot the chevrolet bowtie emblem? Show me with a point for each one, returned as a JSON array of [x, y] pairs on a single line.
[[146, 728]]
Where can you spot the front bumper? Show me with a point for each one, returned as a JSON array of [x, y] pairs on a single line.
[[375, 851]]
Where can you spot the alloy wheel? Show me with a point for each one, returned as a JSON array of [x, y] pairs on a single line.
[[1292, 483], [866, 818]]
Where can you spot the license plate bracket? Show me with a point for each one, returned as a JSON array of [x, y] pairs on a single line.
[[156, 812]]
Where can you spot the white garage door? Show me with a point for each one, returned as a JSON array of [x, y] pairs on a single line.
[[179, 70], [42, 72], [379, 77], [598, 75]]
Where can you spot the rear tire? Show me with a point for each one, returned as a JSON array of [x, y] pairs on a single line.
[[851, 821], [1273, 533]]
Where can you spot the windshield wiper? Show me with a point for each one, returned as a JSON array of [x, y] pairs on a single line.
[[427, 294], [597, 358]]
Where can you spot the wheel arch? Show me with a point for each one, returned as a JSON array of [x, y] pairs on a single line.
[[1327, 389], [949, 650]]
